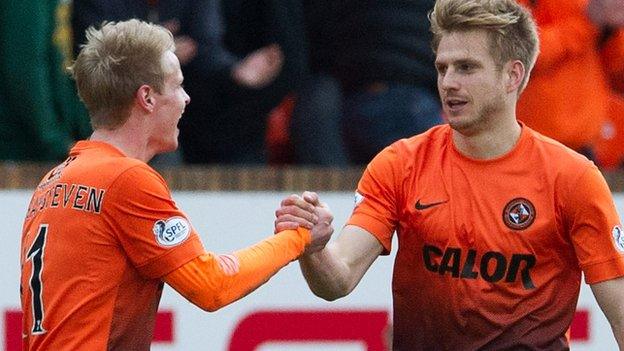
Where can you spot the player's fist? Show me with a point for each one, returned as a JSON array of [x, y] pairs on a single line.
[[309, 212], [322, 231], [295, 212]]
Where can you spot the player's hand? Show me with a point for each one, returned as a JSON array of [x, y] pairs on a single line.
[[309, 212], [295, 212], [322, 231]]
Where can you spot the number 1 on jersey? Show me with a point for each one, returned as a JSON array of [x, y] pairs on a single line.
[[36, 253]]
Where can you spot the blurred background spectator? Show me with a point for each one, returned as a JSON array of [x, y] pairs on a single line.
[[372, 78], [236, 129], [316, 125], [606, 13], [567, 95], [233, 62], [336, 81], [387, 72], [609, 16], [40, 114]]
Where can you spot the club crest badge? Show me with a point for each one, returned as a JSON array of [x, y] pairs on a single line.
[[519, 214], [618, 237], [171, 232]]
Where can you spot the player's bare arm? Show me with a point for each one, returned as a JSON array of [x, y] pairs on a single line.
[[332, 271], [336, 270], [610, 297]]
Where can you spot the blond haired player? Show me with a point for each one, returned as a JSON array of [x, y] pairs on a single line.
[[102, 232]]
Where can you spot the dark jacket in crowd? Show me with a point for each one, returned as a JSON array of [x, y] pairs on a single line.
[[361, 42], [225, 122]]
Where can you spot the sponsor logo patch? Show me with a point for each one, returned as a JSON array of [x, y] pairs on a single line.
[[358, 199], [519, 214], [618, 237], [171, 232]]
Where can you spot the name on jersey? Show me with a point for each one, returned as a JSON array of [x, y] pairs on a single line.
[[75, 196], [492, 266]]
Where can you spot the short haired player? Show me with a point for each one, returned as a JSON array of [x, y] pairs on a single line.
[[495, 223], [102, 233]]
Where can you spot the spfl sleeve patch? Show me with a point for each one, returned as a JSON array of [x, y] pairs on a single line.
[[618, 237], [172, 231]]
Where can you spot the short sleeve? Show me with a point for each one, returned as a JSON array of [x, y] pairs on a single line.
[[376, 198], [156, 236], [595, 228]]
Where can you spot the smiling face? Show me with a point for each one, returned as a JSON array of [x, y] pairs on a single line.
[[471, 85], [169, 106]]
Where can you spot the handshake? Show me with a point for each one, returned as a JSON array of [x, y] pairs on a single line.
[[309, 212]]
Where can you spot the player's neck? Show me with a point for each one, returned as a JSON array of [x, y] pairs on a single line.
[[490, 143], [127, 138]]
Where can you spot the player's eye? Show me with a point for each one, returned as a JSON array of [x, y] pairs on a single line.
[[465, 67]]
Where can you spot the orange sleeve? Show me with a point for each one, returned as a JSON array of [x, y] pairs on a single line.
[[595, 228], [154, 233], [213, 281], [376, 208]]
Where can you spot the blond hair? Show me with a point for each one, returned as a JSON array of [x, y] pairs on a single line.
[[511, 28], [115, 61]]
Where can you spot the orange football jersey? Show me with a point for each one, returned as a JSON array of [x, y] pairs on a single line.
[[490, 252], [100, 231]]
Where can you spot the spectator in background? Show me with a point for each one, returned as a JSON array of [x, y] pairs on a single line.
[[372, 58], [40, 114], [386, 69], [609, 16], [316, 123], [606, 13], [568, 94], [211, 132], [371, 77], [229, 124]]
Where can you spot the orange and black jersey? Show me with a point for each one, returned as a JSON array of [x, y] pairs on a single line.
[[100, 232], [490, 252]]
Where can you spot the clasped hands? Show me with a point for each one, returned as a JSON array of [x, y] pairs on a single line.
[[306, 211]]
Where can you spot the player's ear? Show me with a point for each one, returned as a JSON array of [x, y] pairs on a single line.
[[145, 98], [514, 72]]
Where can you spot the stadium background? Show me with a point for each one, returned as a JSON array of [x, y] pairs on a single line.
[[233, 207]]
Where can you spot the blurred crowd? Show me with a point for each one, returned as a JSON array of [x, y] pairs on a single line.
[[306, 82]]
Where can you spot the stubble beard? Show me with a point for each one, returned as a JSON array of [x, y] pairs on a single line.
[[480, 120]]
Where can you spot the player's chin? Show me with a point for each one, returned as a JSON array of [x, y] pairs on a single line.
[[172, 144], [175, 143], [455, 121]]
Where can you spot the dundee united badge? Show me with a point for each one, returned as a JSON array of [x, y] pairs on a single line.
[[519, 214]]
